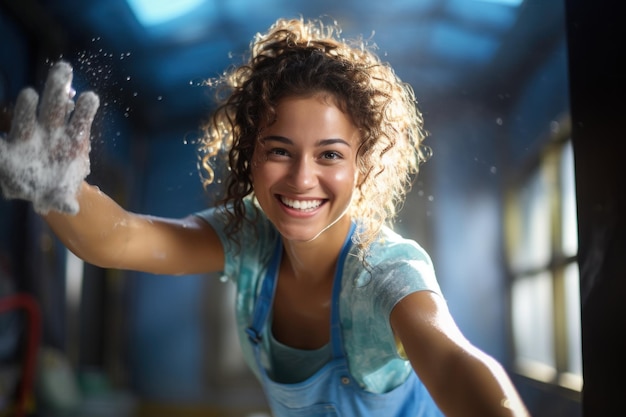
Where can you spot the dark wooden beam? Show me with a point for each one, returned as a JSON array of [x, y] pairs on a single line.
[[595, 35]]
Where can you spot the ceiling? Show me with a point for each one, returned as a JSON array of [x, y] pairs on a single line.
[[151, 61]]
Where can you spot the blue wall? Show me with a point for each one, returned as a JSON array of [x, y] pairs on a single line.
[[467, 229], [167, 328], [14, 70]]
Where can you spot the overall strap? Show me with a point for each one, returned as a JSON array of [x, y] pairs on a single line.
[[264, 301], [336, 336]]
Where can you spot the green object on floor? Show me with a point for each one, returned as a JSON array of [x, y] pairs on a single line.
[[57, 389]]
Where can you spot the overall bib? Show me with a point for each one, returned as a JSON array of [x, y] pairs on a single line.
[[331, 391]]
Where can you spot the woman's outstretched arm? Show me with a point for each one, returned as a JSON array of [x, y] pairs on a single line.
[[45, 158], [104, 234], [462, 380]]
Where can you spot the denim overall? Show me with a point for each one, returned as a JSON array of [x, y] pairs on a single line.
[[332, 391]]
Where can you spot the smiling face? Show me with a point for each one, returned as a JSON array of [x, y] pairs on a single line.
[[304, 168]]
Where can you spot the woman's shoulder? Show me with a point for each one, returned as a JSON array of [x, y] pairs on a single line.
[[252, 241], [253, 223], [393, 261], [391, 247]]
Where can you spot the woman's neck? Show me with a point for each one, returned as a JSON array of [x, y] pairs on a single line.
[[315, 261]]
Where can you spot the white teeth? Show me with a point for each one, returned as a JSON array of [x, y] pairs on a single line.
[[301, 204]]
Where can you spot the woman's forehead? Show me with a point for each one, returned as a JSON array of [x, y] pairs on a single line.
[[310, 116]]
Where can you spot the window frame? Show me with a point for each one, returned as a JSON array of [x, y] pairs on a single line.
[[545, 161]]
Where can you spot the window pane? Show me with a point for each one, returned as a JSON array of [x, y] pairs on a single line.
[[534, 244], [533, 319], [572, 310], [568, 202]]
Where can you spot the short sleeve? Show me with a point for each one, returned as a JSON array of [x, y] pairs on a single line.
[[395, 267], [398, 279], [250, 248]]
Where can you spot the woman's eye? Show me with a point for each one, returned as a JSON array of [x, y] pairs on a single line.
[[278, 152], [331, 155]]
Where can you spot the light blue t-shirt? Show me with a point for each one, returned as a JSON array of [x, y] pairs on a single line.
[[396, 267]]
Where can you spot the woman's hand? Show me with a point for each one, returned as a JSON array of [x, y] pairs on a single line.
[[45, 156]]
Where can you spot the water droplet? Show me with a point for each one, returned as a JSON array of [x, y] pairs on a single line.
[[555, 127]]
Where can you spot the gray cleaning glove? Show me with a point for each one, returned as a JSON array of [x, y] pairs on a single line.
[[45, 156]]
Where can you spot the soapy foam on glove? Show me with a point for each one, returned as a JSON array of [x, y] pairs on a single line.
[[45, 159], [29, 171]]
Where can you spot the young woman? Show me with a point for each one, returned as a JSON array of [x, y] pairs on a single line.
[[337, 314]]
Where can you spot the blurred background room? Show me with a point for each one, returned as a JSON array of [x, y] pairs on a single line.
[[496, 206]]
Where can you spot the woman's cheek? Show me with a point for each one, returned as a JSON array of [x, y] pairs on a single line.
[[345, 176]]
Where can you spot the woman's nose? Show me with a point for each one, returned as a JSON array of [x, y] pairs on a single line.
[[303, 174]]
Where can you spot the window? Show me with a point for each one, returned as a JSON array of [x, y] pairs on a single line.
[[542, 243]]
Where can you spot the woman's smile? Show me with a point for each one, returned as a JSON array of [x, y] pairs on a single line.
[[301, 205]]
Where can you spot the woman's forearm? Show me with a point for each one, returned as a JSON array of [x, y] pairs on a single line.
[[481, 387], [98, 232]]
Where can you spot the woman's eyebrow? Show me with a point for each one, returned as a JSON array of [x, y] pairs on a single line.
[[274, 138], [319, 143], [333, 141]]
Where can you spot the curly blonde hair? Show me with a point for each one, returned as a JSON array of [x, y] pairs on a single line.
[[301, 58]]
